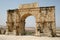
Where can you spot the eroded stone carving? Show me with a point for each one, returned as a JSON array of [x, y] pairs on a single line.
[[45, 19]]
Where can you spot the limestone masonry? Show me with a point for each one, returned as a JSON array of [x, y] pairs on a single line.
[[45, 19]]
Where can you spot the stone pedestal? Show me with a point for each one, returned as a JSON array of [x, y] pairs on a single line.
[[6, 32], [37, 29], [14, 32]]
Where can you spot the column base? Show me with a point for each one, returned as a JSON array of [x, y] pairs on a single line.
[[14, 32], [37, 34]]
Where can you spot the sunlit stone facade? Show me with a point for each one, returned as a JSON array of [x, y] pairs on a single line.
[[45, 19]]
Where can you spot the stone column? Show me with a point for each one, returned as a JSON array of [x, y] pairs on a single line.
[[38, 29], [16, 22], [41, 27], [53, 30], [9, 22], [22, 27], [47, 30], [16, 28], [38, 25]]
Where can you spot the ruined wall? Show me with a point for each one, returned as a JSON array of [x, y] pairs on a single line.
[[32, 5], [45, 19]]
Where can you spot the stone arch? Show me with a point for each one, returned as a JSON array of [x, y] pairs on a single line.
[[25, 15], [23, 20], [41, 18]]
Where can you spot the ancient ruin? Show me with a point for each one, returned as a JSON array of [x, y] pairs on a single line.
[[45, 19]]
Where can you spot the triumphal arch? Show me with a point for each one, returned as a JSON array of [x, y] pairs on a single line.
[[45, 19]]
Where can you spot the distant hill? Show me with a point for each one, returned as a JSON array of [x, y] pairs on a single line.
[[58, 28], [3, 27], [29, 28], [33, 28]]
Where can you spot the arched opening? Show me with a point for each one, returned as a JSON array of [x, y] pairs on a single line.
[[30, 23]]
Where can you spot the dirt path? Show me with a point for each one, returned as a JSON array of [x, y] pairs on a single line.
[[10, 37]]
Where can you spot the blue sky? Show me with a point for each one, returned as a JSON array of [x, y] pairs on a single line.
[[12, 4]]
